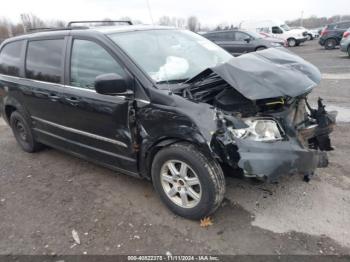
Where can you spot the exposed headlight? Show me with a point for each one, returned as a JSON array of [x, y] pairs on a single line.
[[259, 130]]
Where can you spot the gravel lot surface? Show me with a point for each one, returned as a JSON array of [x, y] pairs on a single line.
[[44, 196]]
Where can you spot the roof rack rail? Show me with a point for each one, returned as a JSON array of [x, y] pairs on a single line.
[[56, 28], [99, 21]]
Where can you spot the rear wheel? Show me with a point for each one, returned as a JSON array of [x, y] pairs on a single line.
[[23, 133], [292, 42], [189, 183], [330, 44]]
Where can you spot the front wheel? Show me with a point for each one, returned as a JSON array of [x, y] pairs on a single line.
[[292, 42], [309, 37], [190, 184]]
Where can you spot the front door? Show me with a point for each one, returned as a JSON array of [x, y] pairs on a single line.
[[242, 44], [98, 126]]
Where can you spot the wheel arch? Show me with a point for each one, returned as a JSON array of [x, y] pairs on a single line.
[[11, 105], [260, 46], [148, 153]]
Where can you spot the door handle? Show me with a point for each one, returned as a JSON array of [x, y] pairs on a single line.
[[72, 100], [54, 97]]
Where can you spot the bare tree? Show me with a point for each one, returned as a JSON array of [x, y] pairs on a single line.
[[193, 23], [31, 21], [165, 20], [5, 29]]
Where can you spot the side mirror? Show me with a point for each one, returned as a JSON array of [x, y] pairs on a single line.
[[110, 84], [247, 39]]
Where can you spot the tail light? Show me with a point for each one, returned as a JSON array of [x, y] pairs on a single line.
[[346, 34], [324, 31]]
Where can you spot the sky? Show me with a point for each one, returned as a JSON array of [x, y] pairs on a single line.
[[209, 12]]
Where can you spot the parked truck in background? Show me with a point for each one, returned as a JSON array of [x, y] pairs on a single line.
[[294, 37]]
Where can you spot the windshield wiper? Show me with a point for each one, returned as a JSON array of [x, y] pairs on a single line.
[[172, 81]]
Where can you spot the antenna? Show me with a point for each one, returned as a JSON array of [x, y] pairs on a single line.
[[150, 11]]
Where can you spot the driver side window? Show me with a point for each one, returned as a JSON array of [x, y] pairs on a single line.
[[89, 60], [239, 36], [276, 30]]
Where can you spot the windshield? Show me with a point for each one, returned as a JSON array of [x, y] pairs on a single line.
[[170, 55], [285, 27]]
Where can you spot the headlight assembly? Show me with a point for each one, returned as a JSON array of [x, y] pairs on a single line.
[[259, 129]]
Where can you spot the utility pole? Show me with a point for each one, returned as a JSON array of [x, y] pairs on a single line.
[[301, 18]]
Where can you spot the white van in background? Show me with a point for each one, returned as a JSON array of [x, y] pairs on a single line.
[[276, 29]]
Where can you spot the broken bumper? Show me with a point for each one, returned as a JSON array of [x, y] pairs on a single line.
[[293, 155], [271, 160]]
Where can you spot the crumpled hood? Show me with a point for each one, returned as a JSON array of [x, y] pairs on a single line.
[[270, 73]]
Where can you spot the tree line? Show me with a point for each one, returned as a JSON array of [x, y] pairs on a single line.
[[315, 22], [29, 22]]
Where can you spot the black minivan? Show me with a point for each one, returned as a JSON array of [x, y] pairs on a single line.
[[164, 104]]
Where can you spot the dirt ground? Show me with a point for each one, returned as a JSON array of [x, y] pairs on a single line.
[[44, 196]]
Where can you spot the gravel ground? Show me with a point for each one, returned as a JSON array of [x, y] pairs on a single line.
[[44, 196]]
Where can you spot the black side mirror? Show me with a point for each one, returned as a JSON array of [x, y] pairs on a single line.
[[110, 84], [247, 39]]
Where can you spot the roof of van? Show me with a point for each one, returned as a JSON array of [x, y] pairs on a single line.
[[100, 29]]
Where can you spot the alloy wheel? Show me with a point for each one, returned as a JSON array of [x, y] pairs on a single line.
[[180, 183]]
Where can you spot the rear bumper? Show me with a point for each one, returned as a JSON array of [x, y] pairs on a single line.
[[321, 41]]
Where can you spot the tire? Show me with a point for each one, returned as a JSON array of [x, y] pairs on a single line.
[[23, 133], [309, 37], [349, 51], [330, 44], [205, 194], [292, 42], [260, 48]]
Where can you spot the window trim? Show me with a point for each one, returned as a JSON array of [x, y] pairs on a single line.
[[68, 58], [64, 38], [21, 56]]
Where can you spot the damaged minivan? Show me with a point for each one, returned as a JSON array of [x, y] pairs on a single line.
[[167, 105]]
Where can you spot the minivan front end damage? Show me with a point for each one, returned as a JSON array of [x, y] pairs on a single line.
[[265, 125], [282, 143]]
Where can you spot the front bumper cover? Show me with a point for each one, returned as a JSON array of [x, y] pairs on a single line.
[[302, 152], [271, 160]]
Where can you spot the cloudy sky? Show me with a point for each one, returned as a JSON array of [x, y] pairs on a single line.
[[209, 12]]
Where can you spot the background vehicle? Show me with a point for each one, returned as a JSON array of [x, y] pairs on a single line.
[[239, 42], [332, 34], [276, 29], [310, 34], [277, 40], [345, 42]]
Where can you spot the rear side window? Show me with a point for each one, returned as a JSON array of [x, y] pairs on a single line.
[[89, 60], [44, 60], [221, 36], [10, 58]]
